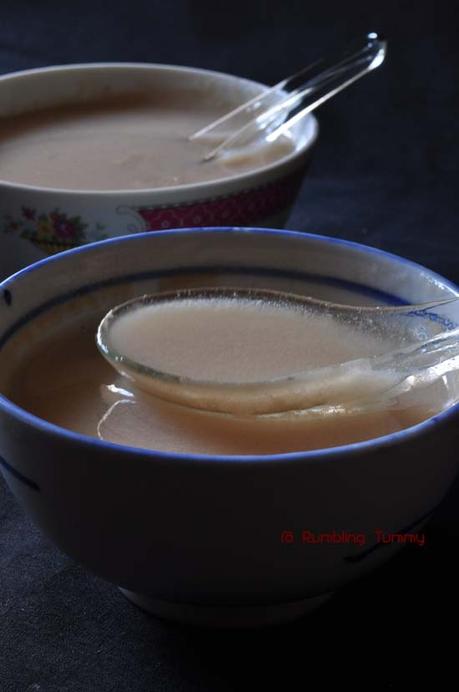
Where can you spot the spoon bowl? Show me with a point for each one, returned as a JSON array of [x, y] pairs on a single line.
[[413, 338]]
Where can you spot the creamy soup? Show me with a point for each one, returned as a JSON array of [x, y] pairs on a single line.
[[235, 339], [134, 142], [65, 380]]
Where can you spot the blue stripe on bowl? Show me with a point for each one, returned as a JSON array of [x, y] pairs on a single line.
[[382, 297], [18, 475], [406, 529]]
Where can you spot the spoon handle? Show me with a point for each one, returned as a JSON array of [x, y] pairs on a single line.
[[303, 97]]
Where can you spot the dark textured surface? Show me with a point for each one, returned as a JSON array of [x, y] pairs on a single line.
[[385, 173]]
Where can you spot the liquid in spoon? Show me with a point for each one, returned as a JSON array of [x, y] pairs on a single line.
[[262, 352]]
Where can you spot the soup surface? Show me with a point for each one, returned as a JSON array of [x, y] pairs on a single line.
[[123, 143], [65, 380]]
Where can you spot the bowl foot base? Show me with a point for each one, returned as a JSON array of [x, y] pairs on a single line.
[[226, 616]]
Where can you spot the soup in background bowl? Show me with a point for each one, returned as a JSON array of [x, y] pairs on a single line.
[[89, 152], [212, 538]]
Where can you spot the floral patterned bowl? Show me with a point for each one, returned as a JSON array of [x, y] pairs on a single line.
[[37, 221]]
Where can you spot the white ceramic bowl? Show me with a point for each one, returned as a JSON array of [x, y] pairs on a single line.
[[37, 221], [218, 539]]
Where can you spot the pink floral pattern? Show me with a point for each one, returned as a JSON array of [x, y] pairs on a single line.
[[55, 231], [52, 232]]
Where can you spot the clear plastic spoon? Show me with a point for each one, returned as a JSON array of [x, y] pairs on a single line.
[[275, 111], [423, 345]]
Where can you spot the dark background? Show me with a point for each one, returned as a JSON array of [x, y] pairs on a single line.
[[385, 173]]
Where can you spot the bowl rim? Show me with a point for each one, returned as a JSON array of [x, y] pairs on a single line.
[[306, 456], [203, 190]]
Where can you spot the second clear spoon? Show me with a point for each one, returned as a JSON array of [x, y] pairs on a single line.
[[275, 111]]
